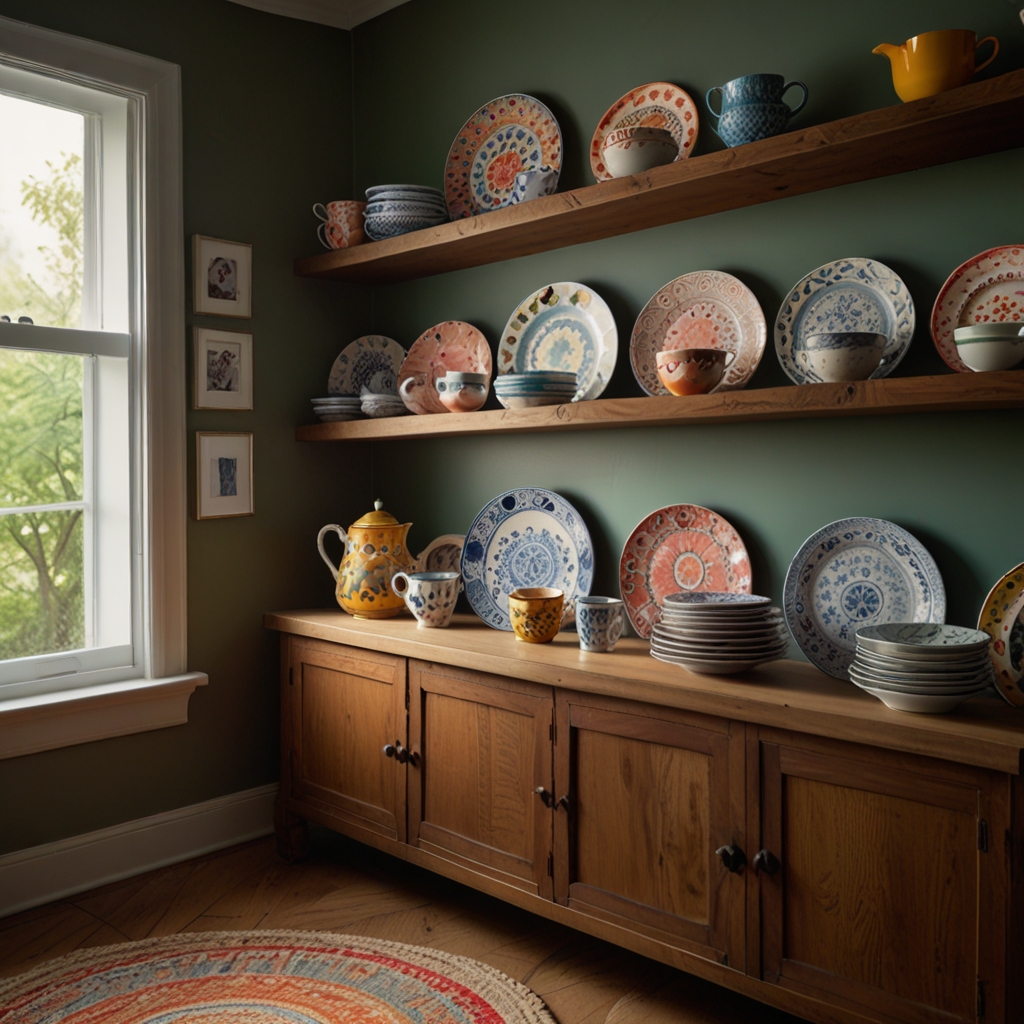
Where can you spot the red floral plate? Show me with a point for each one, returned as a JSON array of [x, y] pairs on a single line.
[[655, 105], [453, 345], [988, 288], [679, 547]]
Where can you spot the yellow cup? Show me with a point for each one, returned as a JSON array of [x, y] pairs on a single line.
[[536, 613], [934, 62]]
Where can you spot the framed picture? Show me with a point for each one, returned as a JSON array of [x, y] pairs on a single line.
[[224, 481], [222, 377], [221, 277]]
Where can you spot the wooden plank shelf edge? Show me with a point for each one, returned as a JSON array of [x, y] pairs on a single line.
[[951, 392], [983, 117]]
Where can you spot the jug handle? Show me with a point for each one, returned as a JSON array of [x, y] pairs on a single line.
[[707, 100], [320, 211], [320, 545], [995, 49], [803, 102]]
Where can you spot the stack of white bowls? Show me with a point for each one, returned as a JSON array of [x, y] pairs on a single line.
[[922, 666], [714, 633], [537, 387], [396, 209], [336, 408]]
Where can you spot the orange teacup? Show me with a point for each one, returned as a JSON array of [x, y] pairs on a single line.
[[693, 371]]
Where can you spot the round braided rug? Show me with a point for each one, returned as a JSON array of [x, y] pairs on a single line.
[[272, 977]]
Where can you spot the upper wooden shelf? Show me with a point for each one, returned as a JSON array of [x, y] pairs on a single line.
[[947, 392], [983, 117]]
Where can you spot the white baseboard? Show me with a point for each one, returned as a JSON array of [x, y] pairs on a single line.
[[42, 874]]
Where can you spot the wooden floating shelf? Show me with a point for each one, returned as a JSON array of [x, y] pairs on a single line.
[[984, 117], [951, 392]]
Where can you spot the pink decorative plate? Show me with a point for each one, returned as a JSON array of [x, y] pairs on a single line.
[[511, 134], [655, 105], [988, 288], [453, 345], [679, 547], [705, 309]]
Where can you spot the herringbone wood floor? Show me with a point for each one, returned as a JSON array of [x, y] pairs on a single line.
[[346, 887]]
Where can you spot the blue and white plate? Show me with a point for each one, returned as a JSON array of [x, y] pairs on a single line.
[[527, 537], [565, 327], [847, 295], [372, 362], [854, 573]]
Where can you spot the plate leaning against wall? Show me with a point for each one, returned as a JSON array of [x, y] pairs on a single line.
[[1002, 617], [453, 345], [372, 361]]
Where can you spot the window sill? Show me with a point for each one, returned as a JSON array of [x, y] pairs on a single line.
[[44, 722]]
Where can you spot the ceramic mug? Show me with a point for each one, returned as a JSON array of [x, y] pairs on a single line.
[[934, 62], [462, 392], [533, 185], [342, 223], [755, 89], [599, 622], [693, 371], [636, 149], [536, 613], [430, 596]]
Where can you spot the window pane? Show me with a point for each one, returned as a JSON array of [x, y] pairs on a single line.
[[41, 212]]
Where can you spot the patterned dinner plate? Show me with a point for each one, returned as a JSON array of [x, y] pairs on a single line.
[[846, 295], [563, 327], [705, 309], [988, 288], [511, 134], [453, 345], [655, 105], [442, 554], [679, 547], [1002, 617], [372, 361], [854, 573], [527, 537]]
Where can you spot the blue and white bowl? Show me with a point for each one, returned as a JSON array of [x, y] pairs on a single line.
[[839, 355], [388, 225]]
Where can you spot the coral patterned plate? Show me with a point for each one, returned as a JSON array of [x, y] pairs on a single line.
[[705, 309], [372, 361], [679, 547], [1002, 617], [846, 295], [655, 105], [511, 134], [453, 345], [988, 288]]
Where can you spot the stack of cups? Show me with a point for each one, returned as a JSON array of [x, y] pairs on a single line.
[[752, 108]]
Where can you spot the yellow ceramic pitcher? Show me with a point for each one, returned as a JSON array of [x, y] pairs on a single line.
[[375, 549], [933, 62]]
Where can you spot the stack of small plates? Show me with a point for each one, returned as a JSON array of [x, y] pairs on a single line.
[[396, 209], [537, 387], [922, 666], [714, 633], [335, 408]]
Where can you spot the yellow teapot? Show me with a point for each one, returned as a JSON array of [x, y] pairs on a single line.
[[375, 549], [934, 62]]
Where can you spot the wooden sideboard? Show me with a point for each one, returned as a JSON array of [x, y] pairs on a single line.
[[780, 833]]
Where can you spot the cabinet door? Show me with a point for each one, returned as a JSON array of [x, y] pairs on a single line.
[[345, 705], [886, 891], [650, 795], [481, 747]]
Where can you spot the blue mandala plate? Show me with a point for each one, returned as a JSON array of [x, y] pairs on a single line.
[[854, 573], [372, 361], [527, 537]]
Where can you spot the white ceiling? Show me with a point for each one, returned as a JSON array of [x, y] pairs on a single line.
[[336, 13]]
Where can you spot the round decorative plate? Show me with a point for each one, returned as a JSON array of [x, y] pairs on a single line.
[[1002, 617], [372, 361], [655, 105], [846, 295], [705, 309], [679, 547], [527, 537], [453, 345], [442, 554], [854, 573], [563, 327], [511, 134], [988, 288]]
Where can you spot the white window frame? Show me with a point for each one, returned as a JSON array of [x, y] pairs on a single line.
[[158, 693]]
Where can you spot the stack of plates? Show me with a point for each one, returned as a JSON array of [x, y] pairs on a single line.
[[378, 406], [713, 633], [537, 387], [337, 407], [917, 666], [396, 209]]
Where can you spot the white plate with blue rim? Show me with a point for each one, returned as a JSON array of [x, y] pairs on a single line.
[[526, 537], [372, 361], [854, 573], [857, 295], [565, 327]]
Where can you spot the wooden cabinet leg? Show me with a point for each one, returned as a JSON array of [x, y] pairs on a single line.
[[292, 834]]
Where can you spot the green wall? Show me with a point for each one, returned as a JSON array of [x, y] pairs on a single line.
[[267, 107]]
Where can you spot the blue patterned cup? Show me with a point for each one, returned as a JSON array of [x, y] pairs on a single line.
[[752, 122], [430, 596], [599, 622], [755, 89]]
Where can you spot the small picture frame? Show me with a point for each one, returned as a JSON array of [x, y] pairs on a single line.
[[221, 277], [222, 370], [224, 477]]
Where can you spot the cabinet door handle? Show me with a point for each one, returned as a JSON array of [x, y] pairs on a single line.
[[549, 800], [733, 858], [563, 802], [766, 861], [401, 753], [389, 750]]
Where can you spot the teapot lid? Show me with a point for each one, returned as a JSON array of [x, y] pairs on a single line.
[[378, 517]]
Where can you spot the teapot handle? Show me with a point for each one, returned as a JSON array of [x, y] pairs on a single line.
[[320, 545]]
